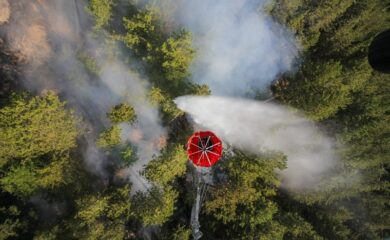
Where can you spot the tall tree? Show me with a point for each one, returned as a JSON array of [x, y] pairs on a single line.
[[348, 94], [37, 135], [155, 206], [101, 10], [244, 203], [169, 165], [102, 215], [32, 127]]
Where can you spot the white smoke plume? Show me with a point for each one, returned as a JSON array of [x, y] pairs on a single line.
[[54, 40], [239, 48], [258, 126]]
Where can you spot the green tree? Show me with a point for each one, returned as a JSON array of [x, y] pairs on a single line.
[[168, 107], [353, 99], [323, 86], [155, 206], [181, 233], [201, 90], [109, 137], [89, 62], [354, 30], [37, 136], [245, 202], [102, 215], [21, 181], [11, 224], [167, 55], [296, 227], [122, 113], [169, 165], [48, 234], [307, 18], [317, 89], [128, 156], [101, 10], [34, 126], [366, 134], [177, 55], [142, 33]]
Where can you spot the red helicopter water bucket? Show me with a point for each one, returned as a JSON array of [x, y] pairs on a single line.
[[204, 148]]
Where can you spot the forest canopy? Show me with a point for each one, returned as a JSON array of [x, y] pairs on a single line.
[[92, 144]]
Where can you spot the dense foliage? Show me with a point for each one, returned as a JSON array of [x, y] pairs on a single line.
[[336, 85], [47, 193]]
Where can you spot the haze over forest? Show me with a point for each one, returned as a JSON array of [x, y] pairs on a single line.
[[99, 97]]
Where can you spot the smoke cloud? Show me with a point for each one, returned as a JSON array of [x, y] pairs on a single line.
[[258, 126], [240, 49], [59, 52]]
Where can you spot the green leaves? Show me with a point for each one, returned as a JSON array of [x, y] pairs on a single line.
[[245, 203], [177, 54], [307, 19], [110, 137], [32, 127], [142, 33], [336, 85], [11, 225], [162, 99], [167, 55], [169, 165], [155, 206], [21, 181], [101, 10], [128, 156], [37, 134], [102, 215], [158, 204], [122, 113], [317, 89]]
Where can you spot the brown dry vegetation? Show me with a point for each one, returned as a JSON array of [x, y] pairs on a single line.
[[5, 11], [27, 34], [31, 42], [136, 135], [160, 142]]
